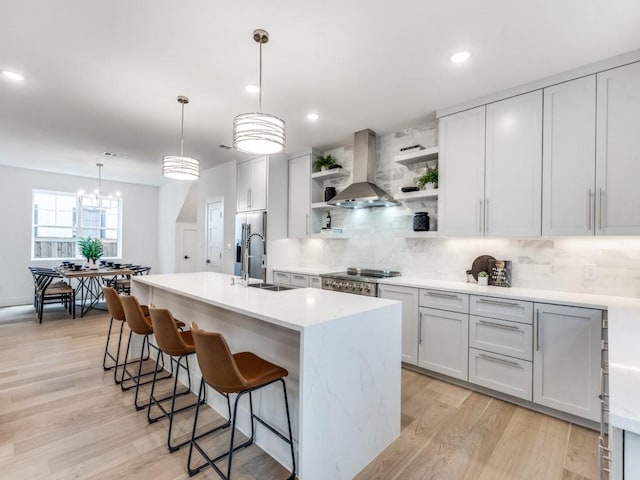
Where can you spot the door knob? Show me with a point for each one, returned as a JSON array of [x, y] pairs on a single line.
[[208, 261], [187, 257]]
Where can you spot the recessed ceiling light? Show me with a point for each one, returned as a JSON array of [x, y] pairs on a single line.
[[225, 147], [115, 154], [252, 88], [460, 57], [16, 77], [312, 116]]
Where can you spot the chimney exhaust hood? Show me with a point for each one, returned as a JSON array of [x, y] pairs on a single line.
[[363, 193]]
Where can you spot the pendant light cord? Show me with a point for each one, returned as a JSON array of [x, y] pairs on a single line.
[[260, 91], [182, 132]]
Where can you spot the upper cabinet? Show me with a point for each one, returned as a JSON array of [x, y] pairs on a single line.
[[461, 182], [299, 196], [513, 176], [491, 169], [569, 179], [618, 151], [252, 185]]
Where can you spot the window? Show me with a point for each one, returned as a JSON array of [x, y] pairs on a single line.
[[60, 218]]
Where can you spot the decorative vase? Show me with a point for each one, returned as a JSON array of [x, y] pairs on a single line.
[[483, 281], [93, 265], [430, 186]]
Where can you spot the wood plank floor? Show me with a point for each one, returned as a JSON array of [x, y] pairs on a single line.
[[62, 417]]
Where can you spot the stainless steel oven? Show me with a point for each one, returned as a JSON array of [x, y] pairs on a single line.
[[361, 281]]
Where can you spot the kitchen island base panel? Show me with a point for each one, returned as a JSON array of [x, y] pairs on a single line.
[[343, 382]]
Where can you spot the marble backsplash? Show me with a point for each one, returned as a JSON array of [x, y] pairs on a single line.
[[377, 238]]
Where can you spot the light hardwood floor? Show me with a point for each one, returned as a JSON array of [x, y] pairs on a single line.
[[62, 417]]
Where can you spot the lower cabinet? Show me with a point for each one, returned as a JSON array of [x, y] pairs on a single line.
[[443, 342], [409, 298], [500, 372], [566, 359], [289, 279]]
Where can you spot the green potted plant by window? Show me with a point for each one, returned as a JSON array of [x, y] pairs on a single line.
[[483, 279], [324, 162], [91, 249], [429, 180]]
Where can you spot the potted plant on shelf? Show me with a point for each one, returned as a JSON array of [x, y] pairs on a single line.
[[91, 249], [483, 279], [324, 162], [429, 180]]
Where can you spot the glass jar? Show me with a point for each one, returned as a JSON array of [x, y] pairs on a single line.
[[421, 222]]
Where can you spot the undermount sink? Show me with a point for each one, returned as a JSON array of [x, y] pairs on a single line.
[[272, 287]]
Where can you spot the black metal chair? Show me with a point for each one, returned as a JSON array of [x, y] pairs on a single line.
[[49, 288]]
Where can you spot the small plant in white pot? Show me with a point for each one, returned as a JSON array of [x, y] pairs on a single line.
[[429, 180], [483, 279], [324, 162]]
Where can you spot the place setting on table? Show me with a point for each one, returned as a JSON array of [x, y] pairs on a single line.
[[91, 277]]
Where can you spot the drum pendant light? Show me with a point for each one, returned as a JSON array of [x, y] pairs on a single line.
[[180, 167], [258, 132]]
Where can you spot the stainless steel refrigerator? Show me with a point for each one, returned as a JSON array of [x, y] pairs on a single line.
[[253, 227]]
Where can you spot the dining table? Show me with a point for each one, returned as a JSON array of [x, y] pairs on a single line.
[[90, 282]]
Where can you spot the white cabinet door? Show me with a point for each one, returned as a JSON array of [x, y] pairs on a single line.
[[444, 342], [299, 196], [631, 455], [500, 372], [299, 280], [409, 298], [282, 278], [513, 176], [251, 185], [461, 165], [568, 158], [315, 282], [618, 151], [566, 359]]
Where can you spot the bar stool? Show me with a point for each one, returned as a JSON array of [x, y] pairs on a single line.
[[178, 344], [238, 373], [114, 306], [140, 324]]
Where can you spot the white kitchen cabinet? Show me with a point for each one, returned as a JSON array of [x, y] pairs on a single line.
[[618, 151], [501, 308], [631, 455], [409, 298], [444, 300], [315, 281], [500, 372], [251, 191], [569, 175], [500, 336], [282, 278], [443, 342], [299, 280], [566, 359], [513, 166], [293, 279], [299, 196], [461, 179]]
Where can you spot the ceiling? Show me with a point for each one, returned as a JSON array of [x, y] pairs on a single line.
[[104, 75]]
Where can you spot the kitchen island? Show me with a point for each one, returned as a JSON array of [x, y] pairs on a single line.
[[342, 352]]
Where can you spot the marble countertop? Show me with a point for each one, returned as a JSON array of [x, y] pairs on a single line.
[[296, 309], [623, 315], [309, 270]]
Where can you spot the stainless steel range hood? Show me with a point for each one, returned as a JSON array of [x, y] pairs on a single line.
[[363, 193]]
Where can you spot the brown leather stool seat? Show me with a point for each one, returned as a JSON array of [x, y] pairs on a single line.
[[140, 324], [239, 373], [178, 345]]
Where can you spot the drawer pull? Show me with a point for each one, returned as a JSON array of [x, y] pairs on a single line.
[[440, 294], [496, 302], [500, 360], [499, 325], [301, 277]]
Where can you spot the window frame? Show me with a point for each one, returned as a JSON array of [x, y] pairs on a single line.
[[76, 228]]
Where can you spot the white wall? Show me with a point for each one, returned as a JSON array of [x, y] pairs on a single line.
[[217, 184], [171, 198], [139, 225]]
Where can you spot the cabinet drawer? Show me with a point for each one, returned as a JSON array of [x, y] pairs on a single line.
[[502, 308], [315, 282], [443, 300], [282, 278], [504, 374], [299, 280], [499, 336]]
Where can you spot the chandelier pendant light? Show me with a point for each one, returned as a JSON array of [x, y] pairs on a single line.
[[180, 167], [257, 132]]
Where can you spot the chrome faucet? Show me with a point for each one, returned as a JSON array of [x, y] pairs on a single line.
[[247, 256]]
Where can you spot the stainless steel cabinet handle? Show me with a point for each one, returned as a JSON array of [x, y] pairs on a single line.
[[301, 277], [486, 217], [600, 209], [497, 302], [440, 294], [306, 224], [480, 217], [499, 325], [589, 202], [538, 330], [500, 360], [420, 330], [250, 198]]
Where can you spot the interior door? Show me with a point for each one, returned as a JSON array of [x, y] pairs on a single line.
[[215, 236], [189, 245]]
